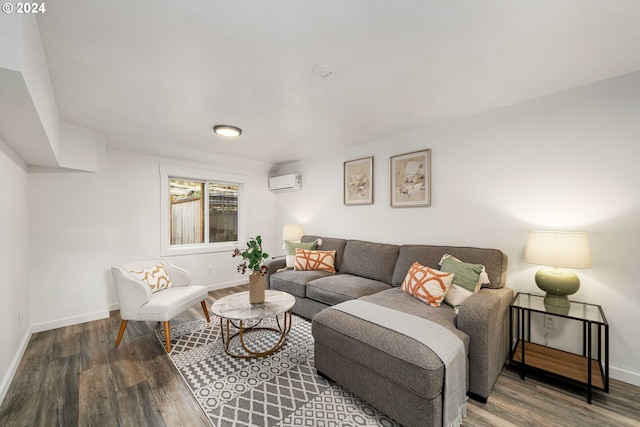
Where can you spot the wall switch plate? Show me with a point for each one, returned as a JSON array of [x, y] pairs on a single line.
[[210, 270], [19, 318], [550, 322]]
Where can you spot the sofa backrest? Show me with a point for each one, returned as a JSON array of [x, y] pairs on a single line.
[[329, 244], [494, 261], [371, 260], [390, 263]]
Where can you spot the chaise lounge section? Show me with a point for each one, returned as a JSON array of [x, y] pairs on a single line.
[[391, 371]]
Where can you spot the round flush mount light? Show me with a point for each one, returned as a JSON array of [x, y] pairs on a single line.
[[227, 130], [321, 70]]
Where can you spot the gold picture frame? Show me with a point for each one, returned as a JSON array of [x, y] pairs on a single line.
[[358, 181], [410, 179]]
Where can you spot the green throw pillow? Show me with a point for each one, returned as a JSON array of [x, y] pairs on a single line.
[[290, 248], [468, 276]]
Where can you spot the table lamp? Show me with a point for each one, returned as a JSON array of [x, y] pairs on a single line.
[[292, 232], [558, 250]]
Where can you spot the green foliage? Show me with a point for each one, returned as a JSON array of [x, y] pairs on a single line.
[[253, 256]]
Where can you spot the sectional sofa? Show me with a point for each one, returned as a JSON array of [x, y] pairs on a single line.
[[391, 371]]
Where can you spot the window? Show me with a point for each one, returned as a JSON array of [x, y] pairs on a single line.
[[186, 213], [223, 212], [202, 211]]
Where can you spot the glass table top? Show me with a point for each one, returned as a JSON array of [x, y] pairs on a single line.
[[576, 310]]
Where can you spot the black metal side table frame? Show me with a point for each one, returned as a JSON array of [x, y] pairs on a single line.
[[567, 365]]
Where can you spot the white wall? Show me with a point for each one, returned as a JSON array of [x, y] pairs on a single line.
[[10, 29], [36, 76], [14, 256], [134, 216], [567, 161], [68, 219], [83, 223]]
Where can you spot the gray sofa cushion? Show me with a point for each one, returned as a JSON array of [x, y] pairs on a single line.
[[295, 282], [371, 260], [394, 399], [394, 356], [342, 287], [495, 261], [329, 244]]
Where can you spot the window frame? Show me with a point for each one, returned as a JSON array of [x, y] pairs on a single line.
[[168, 172]]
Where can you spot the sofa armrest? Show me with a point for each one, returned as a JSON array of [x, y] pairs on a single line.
[[132, 293], [273, 265], [484, 316], [179, 276]]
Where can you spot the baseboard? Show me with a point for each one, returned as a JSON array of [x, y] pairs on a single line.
[[68, 321], [624, 375], [13, 367], [231, 284]]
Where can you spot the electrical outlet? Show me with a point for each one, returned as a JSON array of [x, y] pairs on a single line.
[[210, 270], [550, 322], [19, 318]]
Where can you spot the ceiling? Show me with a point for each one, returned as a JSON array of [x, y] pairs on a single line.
[[161, 73]]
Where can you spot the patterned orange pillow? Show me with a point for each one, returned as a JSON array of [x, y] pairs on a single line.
[[157, 278], [315, 260], [426, 284]]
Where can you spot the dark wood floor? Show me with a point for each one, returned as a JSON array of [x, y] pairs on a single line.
[[74, 376]]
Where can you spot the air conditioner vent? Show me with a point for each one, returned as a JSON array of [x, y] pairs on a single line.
[[284, 183]]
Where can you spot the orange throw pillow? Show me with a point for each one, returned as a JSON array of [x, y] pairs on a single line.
[[315, 260], [426, 284]]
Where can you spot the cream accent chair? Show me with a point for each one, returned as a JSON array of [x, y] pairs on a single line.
[[137, 302]]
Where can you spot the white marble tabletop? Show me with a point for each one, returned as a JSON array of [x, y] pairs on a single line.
[[237, 306]]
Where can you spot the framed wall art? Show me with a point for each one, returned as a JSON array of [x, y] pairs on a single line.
[[358, 181], [410, 179]]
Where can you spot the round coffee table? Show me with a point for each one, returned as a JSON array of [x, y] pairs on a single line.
[[235, 310]]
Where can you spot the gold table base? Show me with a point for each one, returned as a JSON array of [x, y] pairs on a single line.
[[283, 330]]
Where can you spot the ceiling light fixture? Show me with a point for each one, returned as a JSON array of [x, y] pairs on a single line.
[[226, 130], [321, 70]]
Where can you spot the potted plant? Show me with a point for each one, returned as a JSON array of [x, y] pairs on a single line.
[[253, 259]]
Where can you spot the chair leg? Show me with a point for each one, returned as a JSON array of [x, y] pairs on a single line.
[[123, 326], [167, 336], [203, 303]]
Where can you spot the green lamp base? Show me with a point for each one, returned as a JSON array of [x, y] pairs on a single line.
[[561, 301], [557, 283]]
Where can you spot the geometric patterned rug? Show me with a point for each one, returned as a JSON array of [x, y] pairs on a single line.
[[282, 389]]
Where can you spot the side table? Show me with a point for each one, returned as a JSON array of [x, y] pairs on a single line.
[[586, 369]]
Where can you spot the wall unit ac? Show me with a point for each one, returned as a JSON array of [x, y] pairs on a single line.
[[284, 183]]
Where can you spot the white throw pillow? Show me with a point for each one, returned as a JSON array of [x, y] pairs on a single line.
[[157, 277]]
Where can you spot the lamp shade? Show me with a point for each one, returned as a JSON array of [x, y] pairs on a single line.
[[292, 232], [558, 249]]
